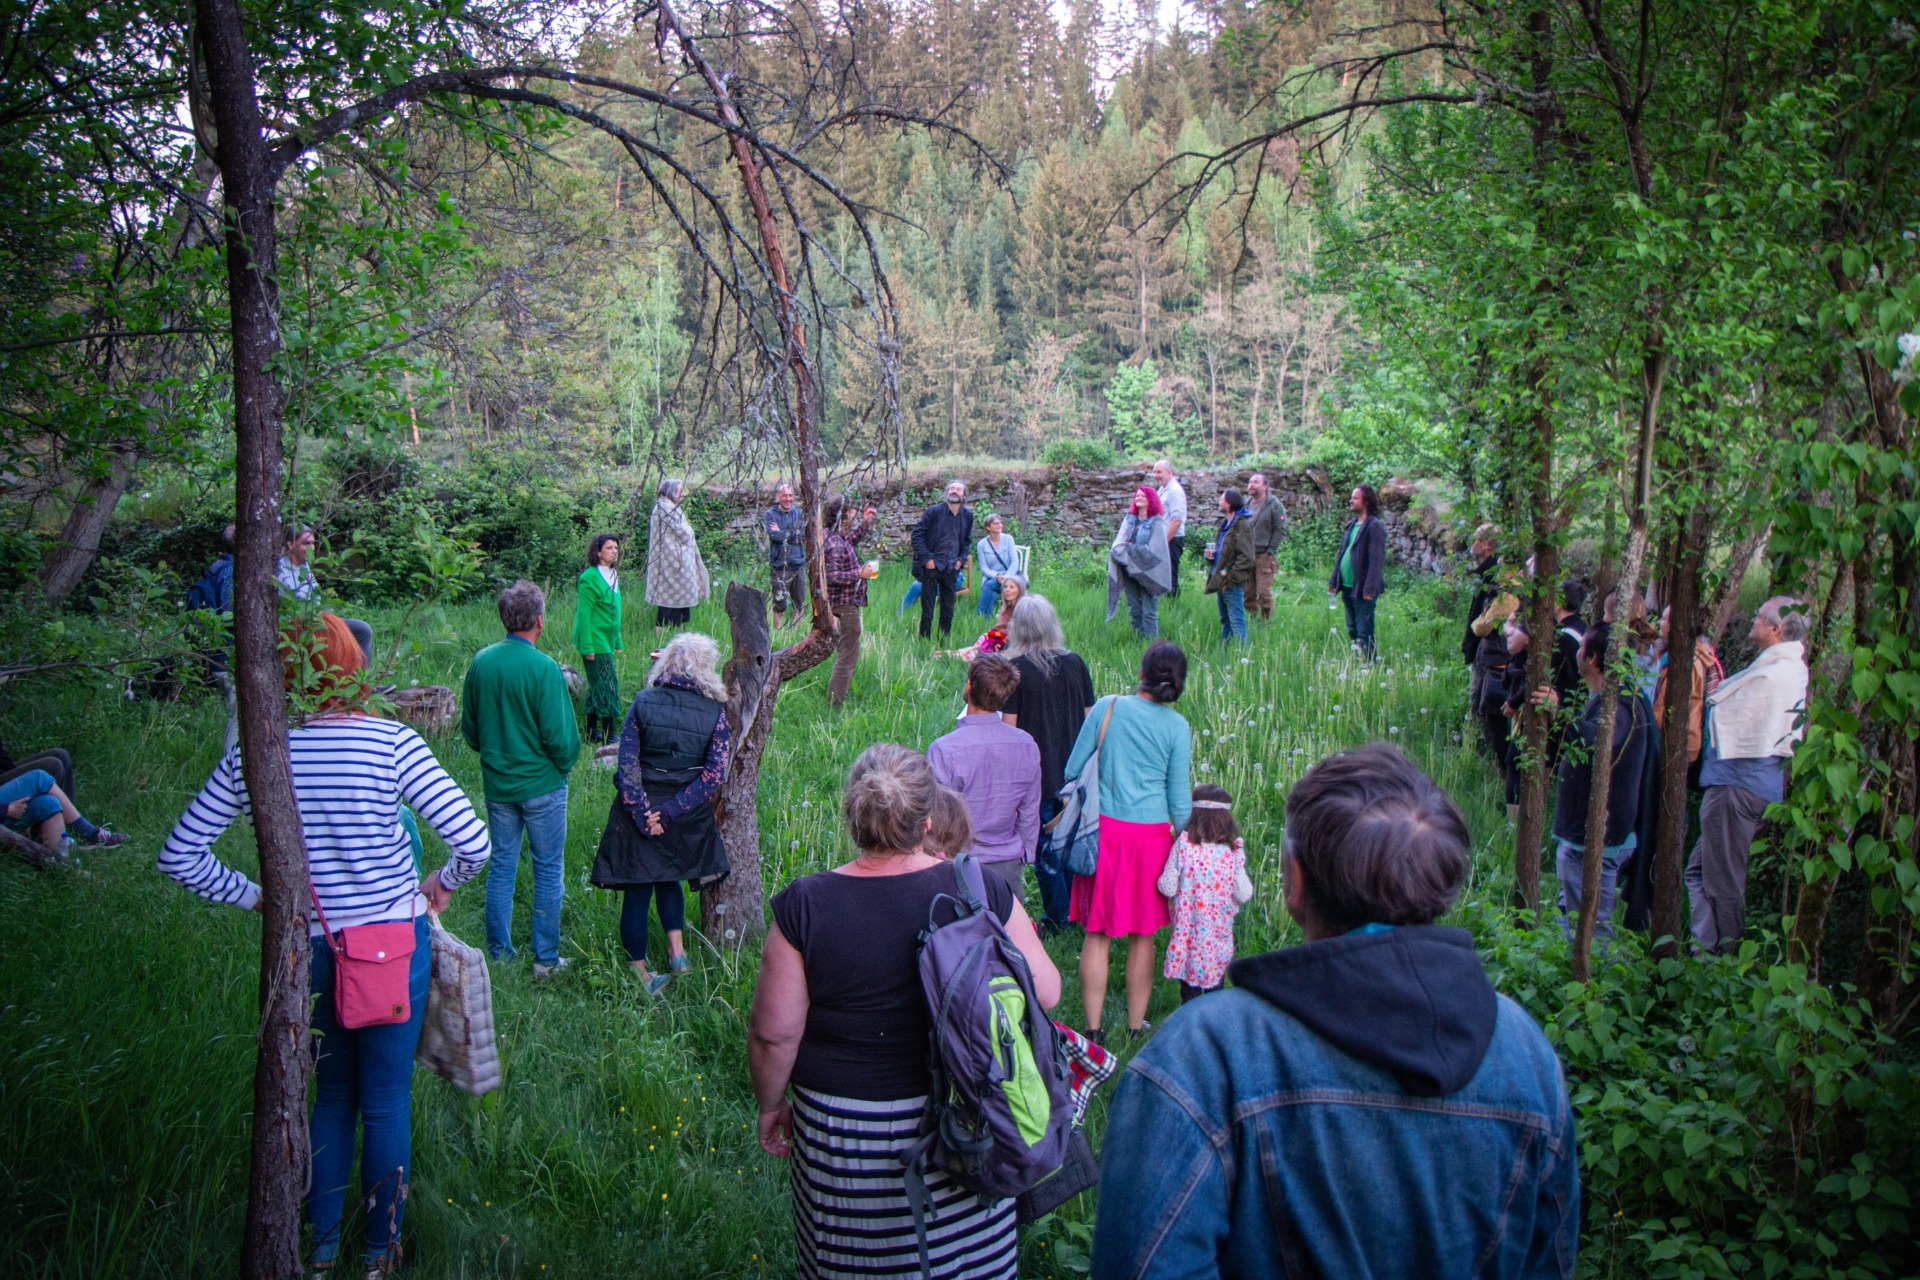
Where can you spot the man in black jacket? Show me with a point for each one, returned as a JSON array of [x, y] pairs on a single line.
[[1357, 573], [942, 540], [1632, 734]]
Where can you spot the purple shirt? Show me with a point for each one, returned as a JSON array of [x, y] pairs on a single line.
[[996, 769]]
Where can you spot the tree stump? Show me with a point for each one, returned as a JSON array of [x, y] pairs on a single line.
[[430, 708]]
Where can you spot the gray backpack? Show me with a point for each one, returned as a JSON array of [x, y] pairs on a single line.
[[998, 1110]]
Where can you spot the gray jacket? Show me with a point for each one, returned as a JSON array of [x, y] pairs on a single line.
[[786, 537]]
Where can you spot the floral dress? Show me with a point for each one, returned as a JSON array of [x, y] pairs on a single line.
[[1207, 883]]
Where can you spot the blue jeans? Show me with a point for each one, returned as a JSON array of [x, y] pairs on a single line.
[[544, 820], [1359, 620], [1143, 608], [1233, 614], [1049, 872], [989, 595], [1570, 866], [35, 786], [364, 1075]]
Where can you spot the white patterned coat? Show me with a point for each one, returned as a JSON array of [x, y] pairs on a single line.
[[676, 576]]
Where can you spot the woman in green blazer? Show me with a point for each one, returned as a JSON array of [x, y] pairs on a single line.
[[596, 635]]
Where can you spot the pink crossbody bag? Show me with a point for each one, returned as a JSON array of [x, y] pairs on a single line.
[[371, 964]]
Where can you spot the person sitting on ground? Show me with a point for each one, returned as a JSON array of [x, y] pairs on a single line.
[[351, 774], [996, 770], [1205, 883], [35, 805], [214, 590], [661, 828], [294, 572], [54, 760], [1363, 1104], [1013, 588], [1631, 757], [838, 1041]]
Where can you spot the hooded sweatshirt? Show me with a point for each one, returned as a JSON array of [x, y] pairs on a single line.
[[1415, 1000]]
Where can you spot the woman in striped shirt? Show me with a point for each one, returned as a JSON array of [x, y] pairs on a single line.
[[351, 772]]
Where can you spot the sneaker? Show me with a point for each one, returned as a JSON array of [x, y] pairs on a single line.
[[548, 970], [679, 964], [1139, 1033], [1097, 1035], [658, 983], [102, 838]]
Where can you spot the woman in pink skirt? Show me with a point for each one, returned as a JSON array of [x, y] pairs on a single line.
[[1144, 799]]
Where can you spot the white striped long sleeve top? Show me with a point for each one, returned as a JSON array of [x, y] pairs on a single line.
[[350, 774]]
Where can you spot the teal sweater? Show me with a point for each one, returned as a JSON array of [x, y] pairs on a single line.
[[516, 712], [1145, 762]]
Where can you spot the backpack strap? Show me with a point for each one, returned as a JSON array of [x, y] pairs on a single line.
[[1100, 739], [973, 890]]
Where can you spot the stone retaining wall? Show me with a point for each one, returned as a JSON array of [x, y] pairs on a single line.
[[1085, 506]]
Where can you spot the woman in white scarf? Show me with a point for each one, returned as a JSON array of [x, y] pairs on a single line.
[[676, 576]]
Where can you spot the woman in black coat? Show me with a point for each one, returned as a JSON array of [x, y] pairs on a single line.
[[661, 828]]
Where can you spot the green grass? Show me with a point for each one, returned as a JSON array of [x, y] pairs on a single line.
[[622, 1142]]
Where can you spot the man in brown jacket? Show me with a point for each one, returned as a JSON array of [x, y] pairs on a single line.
[[1267, 517]]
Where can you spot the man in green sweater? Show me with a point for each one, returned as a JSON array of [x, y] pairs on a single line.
[[516, 712]]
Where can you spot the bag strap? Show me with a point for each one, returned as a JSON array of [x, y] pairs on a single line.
[[1100, 739], [966, 869], [326, 930]]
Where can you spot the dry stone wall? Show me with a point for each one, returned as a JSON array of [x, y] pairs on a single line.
[[1079, 505]]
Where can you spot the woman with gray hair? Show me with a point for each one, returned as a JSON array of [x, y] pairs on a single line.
[[661, 828], [1050, 702], [676, 576]]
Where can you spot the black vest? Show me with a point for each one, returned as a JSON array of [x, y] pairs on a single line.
[[676, 727]]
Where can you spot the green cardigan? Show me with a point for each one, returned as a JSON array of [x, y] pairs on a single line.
[[596, 615]]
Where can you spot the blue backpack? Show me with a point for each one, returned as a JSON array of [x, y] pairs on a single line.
[[999, 1111]]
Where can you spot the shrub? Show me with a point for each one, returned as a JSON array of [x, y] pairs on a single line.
[[1736, 1118], [1088, 455]]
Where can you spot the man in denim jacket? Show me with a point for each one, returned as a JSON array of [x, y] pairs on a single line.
[[1360, 1105]]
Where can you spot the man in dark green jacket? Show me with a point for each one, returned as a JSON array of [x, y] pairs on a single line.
[[516, 712]]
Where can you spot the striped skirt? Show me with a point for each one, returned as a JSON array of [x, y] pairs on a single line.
[[850, 1215]]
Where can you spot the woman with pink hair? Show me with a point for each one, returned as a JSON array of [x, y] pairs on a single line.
[[1138, 564]]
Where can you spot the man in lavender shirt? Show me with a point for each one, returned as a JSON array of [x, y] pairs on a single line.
[[996, 769]]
